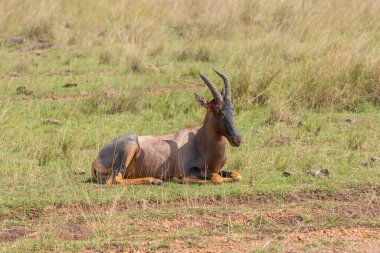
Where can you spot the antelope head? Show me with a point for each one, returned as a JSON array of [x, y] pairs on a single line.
[[220, 111]]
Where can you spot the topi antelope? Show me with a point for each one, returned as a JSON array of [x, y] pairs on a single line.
[[192, 155]]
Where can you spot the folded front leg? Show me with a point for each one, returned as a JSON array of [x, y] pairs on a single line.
[[215, 179], [136, 181]]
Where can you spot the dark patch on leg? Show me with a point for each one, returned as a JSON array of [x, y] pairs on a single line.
[[225, 173], [197, 173], [231, 176]]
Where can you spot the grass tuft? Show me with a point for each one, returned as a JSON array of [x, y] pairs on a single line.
[[356, 140], [105, 58], [42, 31], [103, 103]]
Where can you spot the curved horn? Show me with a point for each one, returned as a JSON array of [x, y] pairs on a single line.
[[227, 84], [212, 88], [223, 92]]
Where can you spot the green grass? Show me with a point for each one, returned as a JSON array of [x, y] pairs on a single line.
[[38, 160], [293, 58]]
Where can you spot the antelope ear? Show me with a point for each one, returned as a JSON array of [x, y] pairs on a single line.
[[201, 100]]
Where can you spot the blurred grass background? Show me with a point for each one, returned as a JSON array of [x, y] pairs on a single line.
[[299, 53]]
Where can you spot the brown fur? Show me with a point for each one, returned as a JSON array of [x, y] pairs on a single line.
[[189, 156]]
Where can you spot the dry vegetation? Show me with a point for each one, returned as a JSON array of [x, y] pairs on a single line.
[[310, 54], [306, 89]]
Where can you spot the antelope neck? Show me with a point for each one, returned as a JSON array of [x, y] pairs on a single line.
[[210, 142]]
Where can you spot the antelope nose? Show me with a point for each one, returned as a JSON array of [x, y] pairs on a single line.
[[236, 141]]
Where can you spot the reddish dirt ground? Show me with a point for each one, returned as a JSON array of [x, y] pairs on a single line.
[[310, 222]]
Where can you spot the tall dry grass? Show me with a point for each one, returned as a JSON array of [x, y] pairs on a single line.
[[304, 53]]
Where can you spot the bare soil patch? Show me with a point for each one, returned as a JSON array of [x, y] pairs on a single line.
[[278, 140], [313, 221], [321, 242], [39, 45], [73, 231], [356, 199], [27, 100], [14, 233], [85, 95]]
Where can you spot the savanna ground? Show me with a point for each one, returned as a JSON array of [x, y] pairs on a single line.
[[306, 88]]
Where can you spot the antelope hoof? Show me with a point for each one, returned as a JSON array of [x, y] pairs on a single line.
[[236, 176], [109, 182], [216, 178]]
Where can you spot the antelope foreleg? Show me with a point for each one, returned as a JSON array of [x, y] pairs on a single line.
[[215, 179], [136, 181]]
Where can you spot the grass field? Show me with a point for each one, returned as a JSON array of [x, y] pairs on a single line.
[[306, 89]]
